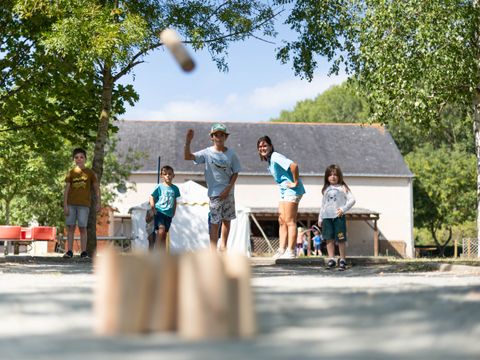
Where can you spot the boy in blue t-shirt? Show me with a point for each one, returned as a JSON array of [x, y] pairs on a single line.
[[163, 202], [221, 171]]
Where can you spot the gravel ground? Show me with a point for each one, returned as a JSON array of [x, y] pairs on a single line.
[[303, 311]]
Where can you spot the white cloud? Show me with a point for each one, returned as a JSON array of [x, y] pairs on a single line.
[[258, 104], [179, 110], [288, 93]]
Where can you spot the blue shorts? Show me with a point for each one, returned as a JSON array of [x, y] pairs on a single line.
[[335, 229], [77, 214], [162, 220]]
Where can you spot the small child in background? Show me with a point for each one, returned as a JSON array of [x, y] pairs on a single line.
[[337, 200], [317, 240], [150, 228], [163, 203], [300, 240], [306, 240]]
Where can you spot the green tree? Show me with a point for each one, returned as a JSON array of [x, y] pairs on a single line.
[[412, 58], [32, 182], [444, 189], [112, 37], [338, 104]]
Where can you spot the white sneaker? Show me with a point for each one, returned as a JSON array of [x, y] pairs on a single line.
[[288, 254], [279, 253]]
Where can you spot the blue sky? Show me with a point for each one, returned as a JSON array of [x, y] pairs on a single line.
[[256, 88]]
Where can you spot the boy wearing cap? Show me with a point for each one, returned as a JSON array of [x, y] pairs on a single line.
[[221, 171]]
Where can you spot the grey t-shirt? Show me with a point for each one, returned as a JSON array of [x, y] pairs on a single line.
[[335, 197], [219, 168]]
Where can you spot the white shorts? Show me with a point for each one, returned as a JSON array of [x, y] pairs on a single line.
[[291, 198]]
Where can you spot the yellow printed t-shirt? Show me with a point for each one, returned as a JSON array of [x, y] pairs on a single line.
[[81, 184]]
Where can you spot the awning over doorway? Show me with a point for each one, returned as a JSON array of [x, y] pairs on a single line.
[[309, 217]]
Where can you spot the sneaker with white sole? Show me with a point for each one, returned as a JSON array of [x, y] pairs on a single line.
[[288, 254], [279, 253]]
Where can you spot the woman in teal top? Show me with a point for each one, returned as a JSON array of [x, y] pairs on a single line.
[[286, 175]]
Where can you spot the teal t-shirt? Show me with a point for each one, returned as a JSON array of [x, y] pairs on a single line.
[[279, 167], [165, 197]]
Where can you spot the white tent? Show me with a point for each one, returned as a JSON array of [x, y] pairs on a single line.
[[189, 230]]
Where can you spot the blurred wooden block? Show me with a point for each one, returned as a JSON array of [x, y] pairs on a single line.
[[203, 305], [242, 311], [123, 294], [165, 293]]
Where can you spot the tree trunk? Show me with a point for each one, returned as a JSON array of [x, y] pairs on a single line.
[[99, 152], [7, 212], [440, 247], [476, 130]]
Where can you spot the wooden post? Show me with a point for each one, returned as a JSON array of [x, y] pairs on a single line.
[[123, 293], [165, 293], [242, 312], [455, 250], [375, 238], [203, 304], [309, 237]]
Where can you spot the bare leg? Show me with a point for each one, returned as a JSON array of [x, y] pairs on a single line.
[[151, 241], [83, 239], [282, 230], [213, 236], [161, 238], [341, 249], [70, 234], [225, 232], [290, 217], [331, 248]]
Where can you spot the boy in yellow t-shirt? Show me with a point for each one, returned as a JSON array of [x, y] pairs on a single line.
[[79, 184]]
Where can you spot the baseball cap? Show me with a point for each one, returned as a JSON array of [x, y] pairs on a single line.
[[218, 127]]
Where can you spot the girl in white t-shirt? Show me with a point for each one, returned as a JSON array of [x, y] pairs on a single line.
[[337, 200]]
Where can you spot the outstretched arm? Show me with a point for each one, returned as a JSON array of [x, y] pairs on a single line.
[[186, 150]]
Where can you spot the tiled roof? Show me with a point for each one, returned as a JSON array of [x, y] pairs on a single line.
[[367, 150]]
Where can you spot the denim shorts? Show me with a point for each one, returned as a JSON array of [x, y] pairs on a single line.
[[77, 214], [162, 220], [335, 229]]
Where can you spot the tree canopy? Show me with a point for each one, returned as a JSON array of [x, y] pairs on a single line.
[[104, 40], [413, 59], [339, 103]]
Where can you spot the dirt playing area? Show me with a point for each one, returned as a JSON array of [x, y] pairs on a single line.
[[304, 311]]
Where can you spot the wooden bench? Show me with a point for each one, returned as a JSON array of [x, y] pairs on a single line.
[[16, 234]]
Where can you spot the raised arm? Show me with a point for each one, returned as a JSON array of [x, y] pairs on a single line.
[[186, 150]]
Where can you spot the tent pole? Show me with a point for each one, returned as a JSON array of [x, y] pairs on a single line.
[[158, 170]]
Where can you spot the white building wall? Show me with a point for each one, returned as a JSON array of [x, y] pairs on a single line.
[[390, 196]]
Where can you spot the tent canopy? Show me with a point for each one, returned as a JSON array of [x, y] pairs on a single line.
[[189, 230]]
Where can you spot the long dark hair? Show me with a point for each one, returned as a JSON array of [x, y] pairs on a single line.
[[333, 169], [269, 142]]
